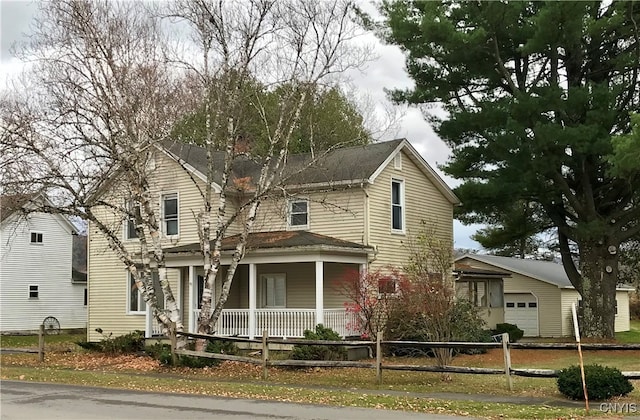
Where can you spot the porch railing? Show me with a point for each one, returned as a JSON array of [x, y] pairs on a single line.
[[285, 322]]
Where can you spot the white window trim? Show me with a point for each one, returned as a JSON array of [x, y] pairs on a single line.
[[290, 213], [163, 227], [402, 206], [37, 286], [263, 285], [37, 233], [129, 311], [125, 224]]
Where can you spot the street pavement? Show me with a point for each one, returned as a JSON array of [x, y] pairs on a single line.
[[31, 400]]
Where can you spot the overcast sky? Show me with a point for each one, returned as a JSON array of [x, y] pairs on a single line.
[[385, 72]]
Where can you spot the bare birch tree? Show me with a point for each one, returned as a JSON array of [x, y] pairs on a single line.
[[98, 97], [292, 45], [103, 96]]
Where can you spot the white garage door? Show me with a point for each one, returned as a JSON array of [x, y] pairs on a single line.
[[521, 309]]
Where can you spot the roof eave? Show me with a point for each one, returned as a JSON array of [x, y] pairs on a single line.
[[419, 161]]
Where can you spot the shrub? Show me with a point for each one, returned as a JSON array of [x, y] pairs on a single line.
[[132, 342], [162, 352], [514, 332], [303, 352], [602, 382], [466, 325]]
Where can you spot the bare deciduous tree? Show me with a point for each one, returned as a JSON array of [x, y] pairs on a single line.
[[100, 97], [289, 45], [106, 94]]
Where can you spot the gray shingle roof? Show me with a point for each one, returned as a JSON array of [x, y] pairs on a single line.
[[10, 204], [546, 271], [349, 164], [277, 239]]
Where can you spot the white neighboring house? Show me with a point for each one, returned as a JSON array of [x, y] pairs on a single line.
[[36, 278]]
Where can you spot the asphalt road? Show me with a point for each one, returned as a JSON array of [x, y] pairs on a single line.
[[28, 400]]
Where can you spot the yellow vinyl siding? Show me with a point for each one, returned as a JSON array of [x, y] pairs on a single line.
[[107, 276], [338, 213], [422, 201], [569, 296], [548, 295], [622, 318]]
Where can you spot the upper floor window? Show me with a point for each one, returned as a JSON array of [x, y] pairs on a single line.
[[130, 226], [397, 205], [170, 214], [36, 238], [33, 291], [299, 213]]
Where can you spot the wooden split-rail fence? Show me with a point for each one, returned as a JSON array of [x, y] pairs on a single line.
[[379, 366]]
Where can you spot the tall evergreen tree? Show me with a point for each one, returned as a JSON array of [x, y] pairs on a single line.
[[537, 95]]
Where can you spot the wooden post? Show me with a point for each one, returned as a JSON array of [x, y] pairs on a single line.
[[41, 343], [506, 352], [265, 354], [379, 358], [174, 343], [576, 330]]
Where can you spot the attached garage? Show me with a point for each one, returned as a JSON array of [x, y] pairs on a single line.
[[538, 295], [521, 309]]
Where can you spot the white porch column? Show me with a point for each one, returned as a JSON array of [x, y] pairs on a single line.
[[253, 274], [148, 322], [193, 296], [319, 292]]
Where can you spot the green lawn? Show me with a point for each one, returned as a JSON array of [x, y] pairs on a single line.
[[346, 386], [52, 342], [632, 336]]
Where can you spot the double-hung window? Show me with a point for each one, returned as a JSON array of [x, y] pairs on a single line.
[[130, 227], [397, 205], [299, 214], [170, 214], [274, 290], [387, 285], [34, 293], [136, 303]]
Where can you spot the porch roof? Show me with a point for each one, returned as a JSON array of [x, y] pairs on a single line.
[[465, 272], [280, 240]]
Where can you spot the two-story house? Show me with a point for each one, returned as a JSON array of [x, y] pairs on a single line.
[[37, 279], [355, 209]]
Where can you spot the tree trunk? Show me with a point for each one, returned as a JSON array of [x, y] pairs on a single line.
[[599, 278]]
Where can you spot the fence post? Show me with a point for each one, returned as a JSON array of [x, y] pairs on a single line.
[[265, 354], [41, 343], [379, 358], [174, 343], [506, 352]]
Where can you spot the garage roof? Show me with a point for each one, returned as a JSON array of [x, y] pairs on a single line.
[[546, 271]]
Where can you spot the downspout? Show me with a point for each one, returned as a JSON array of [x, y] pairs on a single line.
[[367, 224]]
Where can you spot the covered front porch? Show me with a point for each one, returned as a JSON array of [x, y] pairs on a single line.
[[286, 286]]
